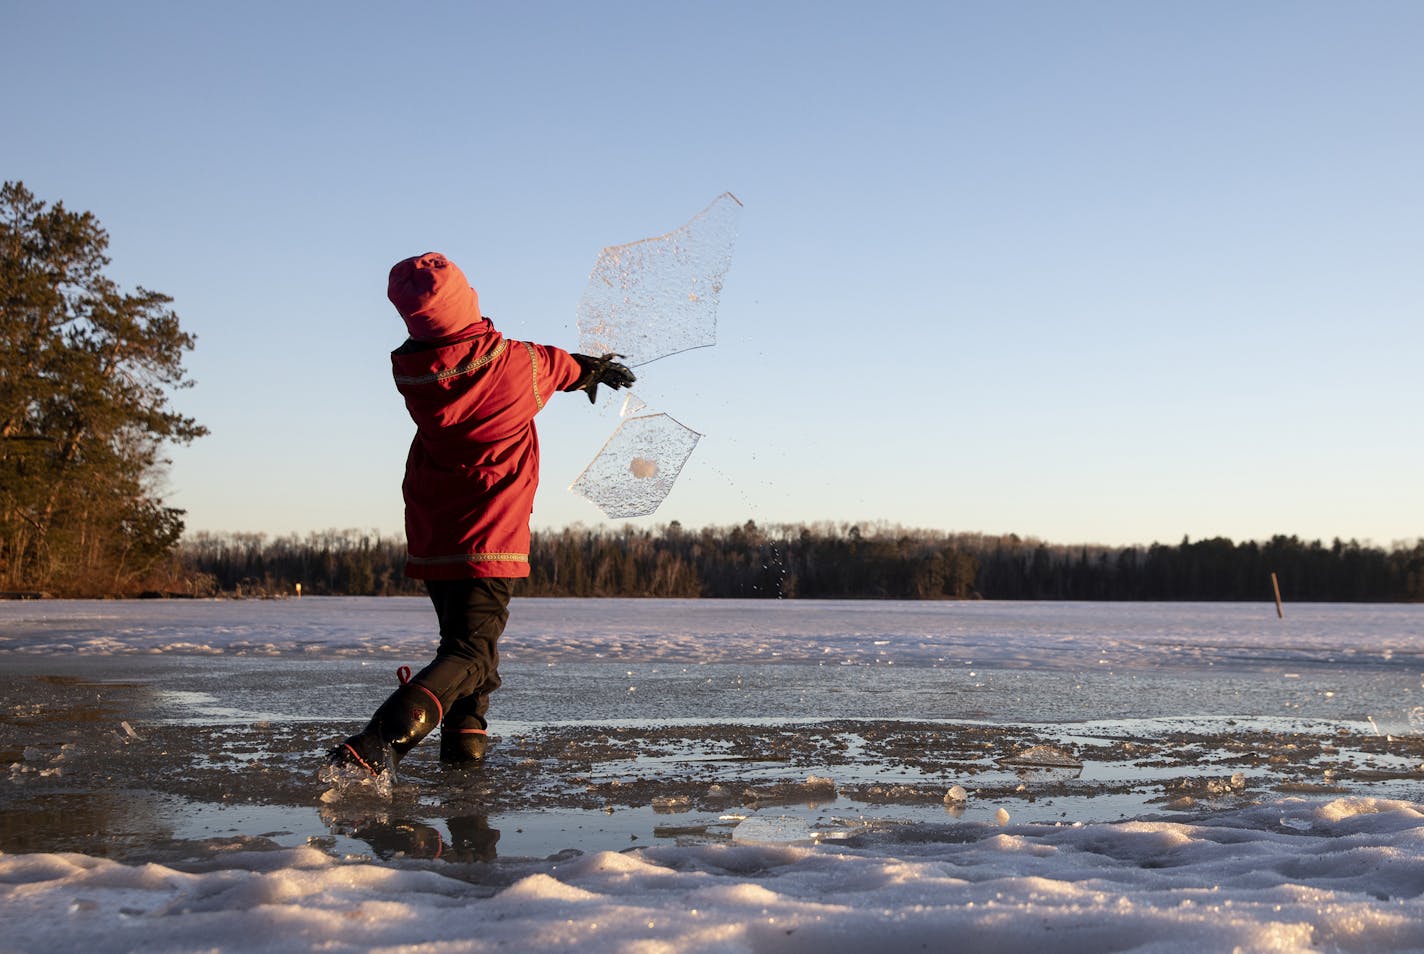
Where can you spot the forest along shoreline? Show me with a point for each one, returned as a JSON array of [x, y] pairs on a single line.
[[800, 561]]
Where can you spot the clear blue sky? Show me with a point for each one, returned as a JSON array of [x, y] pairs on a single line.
[[1089, 271]]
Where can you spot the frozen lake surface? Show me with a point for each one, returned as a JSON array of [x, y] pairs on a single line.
[[722, 775]]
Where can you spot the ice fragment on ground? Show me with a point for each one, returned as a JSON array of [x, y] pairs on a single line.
[[1001, 816], [1042, 756], [658, 296], [956, 795], [1225, 786], [635, 470], [771, 830], [671, 804], [1212, 786]]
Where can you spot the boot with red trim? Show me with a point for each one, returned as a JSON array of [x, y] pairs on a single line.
[[463, 737], [405, 718]]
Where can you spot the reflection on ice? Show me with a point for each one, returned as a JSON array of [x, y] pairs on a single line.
[[465, 838]]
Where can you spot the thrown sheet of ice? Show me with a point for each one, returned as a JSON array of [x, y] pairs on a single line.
[[636, 469], [658, 296]]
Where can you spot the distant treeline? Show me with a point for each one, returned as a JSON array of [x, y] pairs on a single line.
[[830, 561]]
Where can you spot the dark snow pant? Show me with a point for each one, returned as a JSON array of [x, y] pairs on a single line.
[[453, 691], [472, 615]]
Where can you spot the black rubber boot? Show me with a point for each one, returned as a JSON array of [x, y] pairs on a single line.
[[366, 751], [405, 718], [463, 737], [463, 746]]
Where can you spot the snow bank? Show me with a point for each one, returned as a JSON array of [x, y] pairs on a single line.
[[1293, 875]]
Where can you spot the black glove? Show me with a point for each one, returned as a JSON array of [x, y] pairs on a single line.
[[602, 370]]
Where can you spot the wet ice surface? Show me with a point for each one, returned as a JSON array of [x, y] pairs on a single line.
[[1040, 636], [896, 736], [601, 756]]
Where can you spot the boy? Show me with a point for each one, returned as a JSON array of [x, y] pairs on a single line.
[[469, 491]]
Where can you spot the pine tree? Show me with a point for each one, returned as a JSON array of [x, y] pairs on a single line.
[[86, 371]]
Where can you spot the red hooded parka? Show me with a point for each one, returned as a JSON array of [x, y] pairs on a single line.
[[473, 466]]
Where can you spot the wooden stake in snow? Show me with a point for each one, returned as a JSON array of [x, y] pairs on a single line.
[[1276, 585]]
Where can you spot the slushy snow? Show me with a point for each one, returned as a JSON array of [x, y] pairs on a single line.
[[1341, 875]]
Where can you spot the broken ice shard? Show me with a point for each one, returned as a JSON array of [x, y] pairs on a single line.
[[635, 470], [1043, 764], [772, 830], [656, 297], [1042, 756], [632, 404]]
